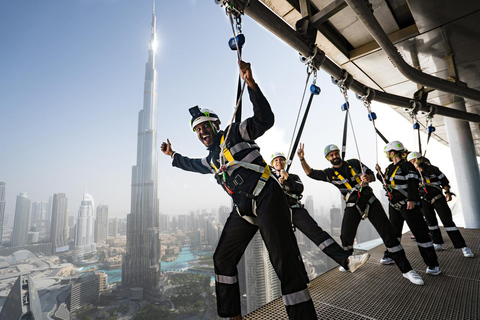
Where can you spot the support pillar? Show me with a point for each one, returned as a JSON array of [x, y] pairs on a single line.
[[466, 165]]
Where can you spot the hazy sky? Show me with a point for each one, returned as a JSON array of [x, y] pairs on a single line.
[[71, 86]]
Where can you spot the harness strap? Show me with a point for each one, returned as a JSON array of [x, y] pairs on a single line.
[[438, 196], [392, 183]]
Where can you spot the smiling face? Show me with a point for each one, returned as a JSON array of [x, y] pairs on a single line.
[[279, 163], [205, 132], [334, 157]]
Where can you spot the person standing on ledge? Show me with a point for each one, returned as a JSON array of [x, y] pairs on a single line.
[[351, 178], [259, 203]]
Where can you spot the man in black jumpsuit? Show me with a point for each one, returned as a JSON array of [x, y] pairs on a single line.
[[401, 183], [301, 219], [259, 203], [351, 178], [433, 182]]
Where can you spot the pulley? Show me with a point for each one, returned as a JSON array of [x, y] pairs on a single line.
[[345, 106], [315, 89], [416, 126], [431, 129], [372, 116], [240, 41]]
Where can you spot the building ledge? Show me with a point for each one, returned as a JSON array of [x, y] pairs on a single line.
[[376, 291]]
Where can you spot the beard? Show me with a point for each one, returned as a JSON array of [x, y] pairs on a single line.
[[336, 161]]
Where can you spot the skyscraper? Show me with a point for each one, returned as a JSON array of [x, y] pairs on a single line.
[[84, 238], [2, 207], [59, 228], [141, 263], [20, 226], [23, 301], [101, 224]]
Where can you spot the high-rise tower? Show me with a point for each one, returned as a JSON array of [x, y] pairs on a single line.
[[84, 238], [141, 263], [20, 226], [59, 229]]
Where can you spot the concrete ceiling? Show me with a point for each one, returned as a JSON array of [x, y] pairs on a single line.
[[425, 32]]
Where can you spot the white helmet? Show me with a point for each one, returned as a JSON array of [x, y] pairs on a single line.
[[394, 146], [276, 155], [200, 115], [330, 148], [414, 155]]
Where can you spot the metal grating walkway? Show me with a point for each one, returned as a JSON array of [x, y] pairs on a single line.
[[377, 291]]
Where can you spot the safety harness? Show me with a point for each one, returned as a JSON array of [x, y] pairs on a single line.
[[232, 164], [390, 186], [358, 188]]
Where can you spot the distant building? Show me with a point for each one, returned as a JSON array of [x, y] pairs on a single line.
[[113, 227], [335, 221], [58, 229], [20, 226], [2, 207], [262, 283], [23, 302], [84, 290], [84, 238], [39, 212], [141, 262], [49, 208], [101, 224], [102, 280]]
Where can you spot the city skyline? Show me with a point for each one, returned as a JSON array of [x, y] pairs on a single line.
[[89, 69]]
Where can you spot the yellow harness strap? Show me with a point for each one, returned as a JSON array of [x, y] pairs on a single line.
[[254, 167], [392, 180], [345, 181]]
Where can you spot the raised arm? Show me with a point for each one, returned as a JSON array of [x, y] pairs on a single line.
[[263, 118], [186, 163]]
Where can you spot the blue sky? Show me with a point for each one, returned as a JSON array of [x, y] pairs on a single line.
[[71, 86]]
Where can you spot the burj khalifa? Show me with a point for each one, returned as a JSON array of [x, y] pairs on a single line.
[[141, 262]]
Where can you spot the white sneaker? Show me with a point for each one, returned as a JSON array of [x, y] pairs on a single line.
[[413, 277], [438, 247], [342, 269], [467, 253], [355, 262], [387, 261], [435, 271]]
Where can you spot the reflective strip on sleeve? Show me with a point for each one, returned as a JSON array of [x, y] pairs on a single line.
[[395, 249], [296, 297], [226, 279], [326, 243], [425, 244], [206, 164], [242, 128], [433, 228], [451, 229], [347, 247]]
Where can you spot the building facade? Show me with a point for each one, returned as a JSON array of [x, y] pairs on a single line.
[[20, 225], [84, 238], [101, 224], [58, 227], [141, 262]]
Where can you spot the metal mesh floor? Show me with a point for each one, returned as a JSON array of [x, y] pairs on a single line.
[[376, 291]]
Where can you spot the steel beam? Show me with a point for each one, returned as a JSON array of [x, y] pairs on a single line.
[[268, 19]]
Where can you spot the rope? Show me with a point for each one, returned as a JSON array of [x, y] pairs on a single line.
[[239, 99], [343, 89], [309, 72]]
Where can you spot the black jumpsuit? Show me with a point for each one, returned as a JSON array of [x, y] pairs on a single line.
[[434, 200], [402, 181], [348, 176], [301, 219], [269, 211]]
